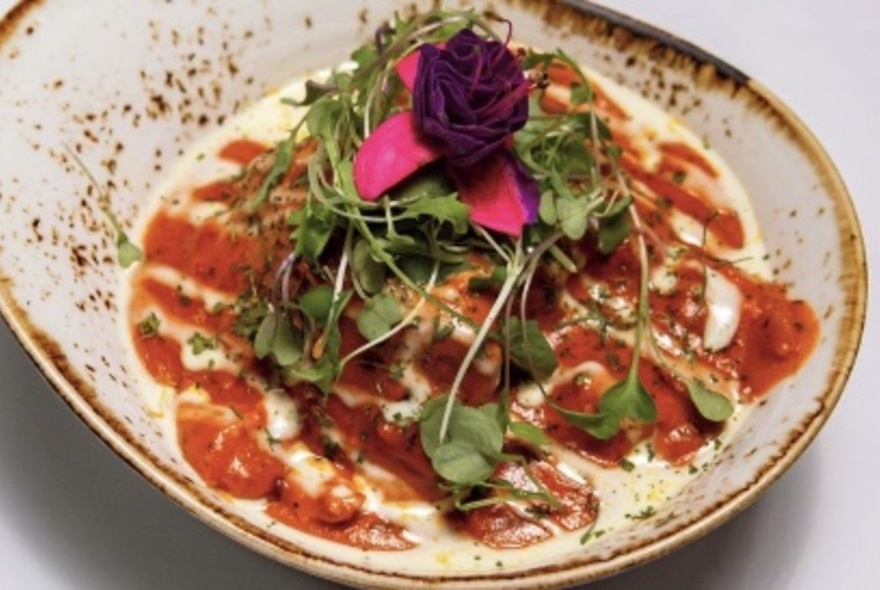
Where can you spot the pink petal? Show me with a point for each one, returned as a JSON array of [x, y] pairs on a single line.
[[502, 195], [408, 67], [392, 153]]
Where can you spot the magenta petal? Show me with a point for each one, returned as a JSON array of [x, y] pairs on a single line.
[[393, 152], [503, 196], [407, 68]]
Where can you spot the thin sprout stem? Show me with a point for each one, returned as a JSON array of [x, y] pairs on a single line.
[[103, 196], [534, 259], [340, 276], [355, 280], [389, 221], [488, 237], [283, 275], [368, 106], [513, 277], [595, 171], [643, 294], [563, 259]]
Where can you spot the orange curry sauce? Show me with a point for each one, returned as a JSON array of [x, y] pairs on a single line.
[[224, 437]]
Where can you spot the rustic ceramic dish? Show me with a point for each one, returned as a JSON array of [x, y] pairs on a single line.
[[130, 89]]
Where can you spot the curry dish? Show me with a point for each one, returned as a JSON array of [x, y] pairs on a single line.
[[347, 325]]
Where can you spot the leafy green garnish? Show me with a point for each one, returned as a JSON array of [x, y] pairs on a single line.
[[471, 449], [445, 209], [379, 315], [328, 366], [613, 231], [628, 398], [369, 273], [529, 433], [530, 350], [365, 55], [573, 215], [572, 156], [127, 253], [276, 336], [283, 158], [711, 404], [316, 304], [315, 91], [602, 426], [313, 225]]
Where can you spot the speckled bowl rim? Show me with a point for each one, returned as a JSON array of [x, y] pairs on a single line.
[[619, 30]]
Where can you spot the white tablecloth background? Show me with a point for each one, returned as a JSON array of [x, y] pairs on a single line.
[[75, 517]]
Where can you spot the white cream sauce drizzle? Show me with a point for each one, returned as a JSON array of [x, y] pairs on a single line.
[[724, 302]]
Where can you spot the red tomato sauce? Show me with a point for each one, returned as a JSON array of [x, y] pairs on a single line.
[[242, 151]]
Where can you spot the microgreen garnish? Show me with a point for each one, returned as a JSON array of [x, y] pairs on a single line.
[[276, 336], [528, 348], [628, 398], [529, 433], [316, 304], [379, 315], [471, 448], [126, 252], [283, 158], [711, 404], [422, 222], [424, 164]]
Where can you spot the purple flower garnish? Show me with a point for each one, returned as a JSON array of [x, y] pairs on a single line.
[[469, 96]]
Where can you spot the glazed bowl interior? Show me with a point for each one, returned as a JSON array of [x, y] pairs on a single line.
[[129, 91]]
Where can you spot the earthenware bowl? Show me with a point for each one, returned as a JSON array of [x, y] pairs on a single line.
[[129, 89]]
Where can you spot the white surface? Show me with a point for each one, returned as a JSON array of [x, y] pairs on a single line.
[[73, 516]]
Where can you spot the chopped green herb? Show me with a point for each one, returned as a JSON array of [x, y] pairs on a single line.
[[645, 514], [149, 327], [442, 332], [200, 343]]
